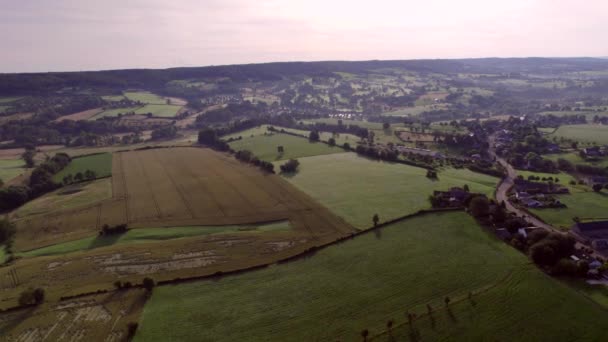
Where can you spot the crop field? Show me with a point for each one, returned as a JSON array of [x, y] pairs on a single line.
[[583, 133], [356, 188], [362, 283], [84, 115], [176, 187], [143, 235], [102, 317], [101, 164], [11, 168], [265, 146]]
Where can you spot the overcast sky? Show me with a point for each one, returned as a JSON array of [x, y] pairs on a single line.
[[58, 35]]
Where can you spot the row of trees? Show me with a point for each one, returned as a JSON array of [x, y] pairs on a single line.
[[88, 175]]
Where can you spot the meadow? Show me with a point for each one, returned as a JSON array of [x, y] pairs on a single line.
[[356, 188], [11, 168], [145, 97], [113, 112], [583, 133], [265, 146], [100, 163], [575, 158], [143, 235], [363, 282]]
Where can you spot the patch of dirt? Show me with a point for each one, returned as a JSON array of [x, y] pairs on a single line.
[[280, 245], [163, 266], [84, 115]]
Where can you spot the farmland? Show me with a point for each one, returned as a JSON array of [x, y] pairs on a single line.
[[390, 190], [575, 158], [101, 164], [143, 235], [222, 206], [157, 110], [145, 97], [366, 281], [264, 146], [113, 112], [11, 168], [583, 133]]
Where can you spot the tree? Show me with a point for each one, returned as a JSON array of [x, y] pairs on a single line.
[[389, 325], [375, 219], [31, 296], [331, 142], [28, 157], [597, 187], [447, 301], [386, 125], [290, 166], [364, 334], [7, 230], [148, 284], [69, 179], [90, 175], [118, 284], [78, 177], [466, 188], [346, 146], [314, 136], [280, 149], [479, 206]]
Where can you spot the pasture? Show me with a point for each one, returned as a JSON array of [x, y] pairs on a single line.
[[575, 158], [159, 110], [11, 168], [100, 163], [356, 188], [114, 112], [264, 146], [583, 133], [362, 283]]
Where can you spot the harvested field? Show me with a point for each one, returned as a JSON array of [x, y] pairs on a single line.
[[101, 317], [84, 115], [170, 187]]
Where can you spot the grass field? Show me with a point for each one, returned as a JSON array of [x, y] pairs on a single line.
[[575, 158], [101, 164], [159, 110], [113, 98], [8, 99], [364, 282], [68, 197], [414, 111], [583, 133], [265, 146], [11, 168], [145, 97], [582, 202], [142, 235], [356, 188]]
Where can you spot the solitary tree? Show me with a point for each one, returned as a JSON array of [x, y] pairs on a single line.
[[331, 142], [389, 325], [447, 301], [466, 188], [280, 149], [376, 218], [386, 125], [148, 284], [429, 309], [364, 334]]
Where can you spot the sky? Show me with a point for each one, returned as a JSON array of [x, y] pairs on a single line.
[[73, 35]]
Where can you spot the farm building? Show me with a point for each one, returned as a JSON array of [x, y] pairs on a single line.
[[595, 231], [455, 197]]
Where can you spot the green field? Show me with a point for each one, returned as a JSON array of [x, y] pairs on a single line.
[[265, 146], [8, 99], [583, 133], [145, 97], [114, 112], [159, 110], [362, 283], [582, 202], [68, 197], [356, 188], [142, 235], [575, 158], [414, 111], [100, 163], [11, 168], [113, 98]]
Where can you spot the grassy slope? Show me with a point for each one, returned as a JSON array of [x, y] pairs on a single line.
[[581, 202], [100, 163], [11, 168], [265, 147], [145, 97], [375, 277], [355, 187], [68, 197], [113, 112], [148, 235], [575, 158]]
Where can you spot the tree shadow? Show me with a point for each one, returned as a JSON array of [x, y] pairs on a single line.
[[451, 315], [289, 174], [378, 233], [414, 334], [433, 321], [104, 240]]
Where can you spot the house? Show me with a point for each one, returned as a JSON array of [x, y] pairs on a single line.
[[553, 148], [522, 194], [592, 151], [531, 203], [455, 197]]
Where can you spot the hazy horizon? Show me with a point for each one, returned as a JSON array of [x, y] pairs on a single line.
[[76, 35]]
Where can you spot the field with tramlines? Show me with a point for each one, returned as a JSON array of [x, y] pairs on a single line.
[[180, 190]]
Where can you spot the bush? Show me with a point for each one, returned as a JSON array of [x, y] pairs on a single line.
[[479, 206], [148, 284], [31, 297], [290, 166]]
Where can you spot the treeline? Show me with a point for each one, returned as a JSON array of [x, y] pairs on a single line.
[[41, 181]]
